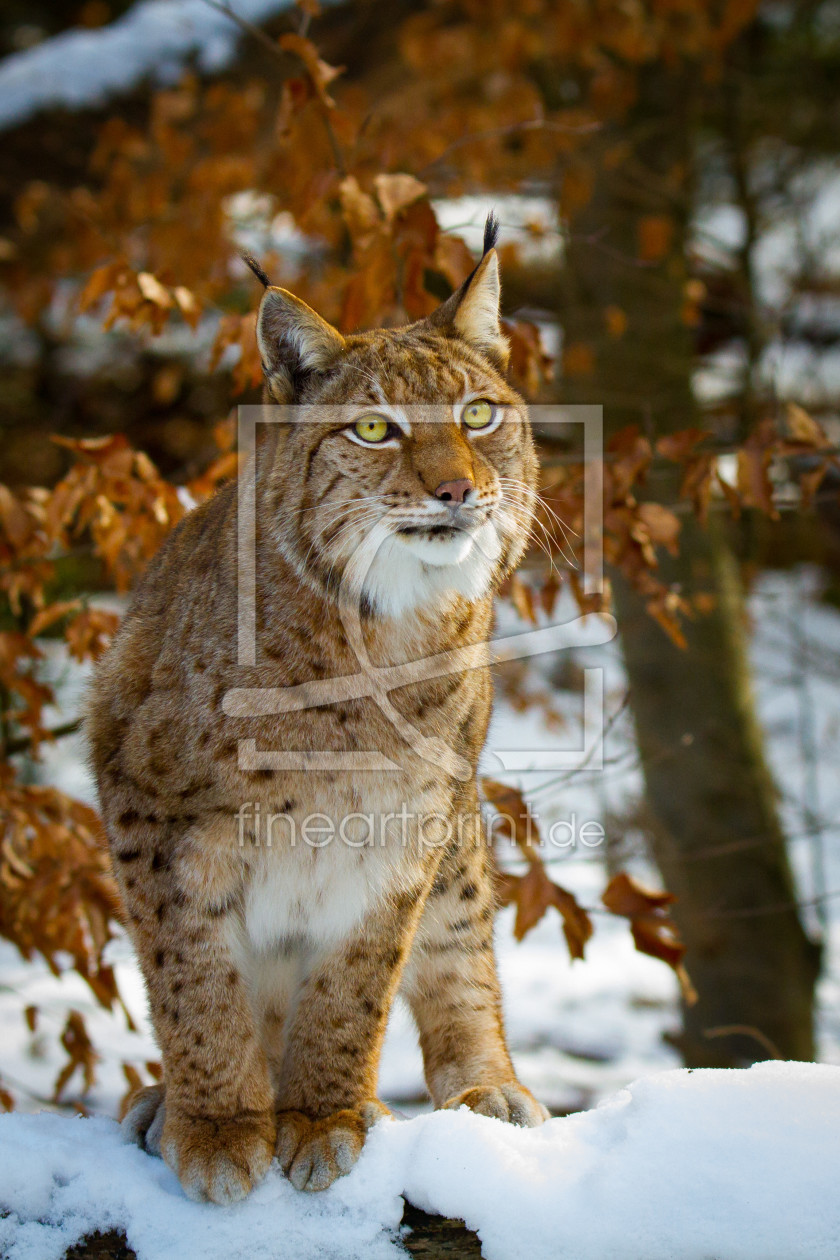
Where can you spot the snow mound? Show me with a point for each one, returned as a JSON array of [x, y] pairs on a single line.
[[155, 38], [739, 1165]]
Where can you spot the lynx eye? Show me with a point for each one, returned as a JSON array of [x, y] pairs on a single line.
[[479, 414], [372, 429]]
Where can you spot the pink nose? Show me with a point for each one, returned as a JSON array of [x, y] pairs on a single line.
[[454, 491]]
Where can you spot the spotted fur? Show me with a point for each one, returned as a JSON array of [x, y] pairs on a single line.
[[271, 967]]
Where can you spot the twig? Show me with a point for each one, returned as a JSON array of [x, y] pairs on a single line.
[[745, 1030], [246, 26], [276, 51], [25, 742]]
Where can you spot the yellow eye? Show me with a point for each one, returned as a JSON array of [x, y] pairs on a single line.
[[478, 414], [371, 429]]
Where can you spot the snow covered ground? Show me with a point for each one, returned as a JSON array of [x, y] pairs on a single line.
[[732, 1165]]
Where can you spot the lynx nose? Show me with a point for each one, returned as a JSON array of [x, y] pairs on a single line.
[[454, 491]]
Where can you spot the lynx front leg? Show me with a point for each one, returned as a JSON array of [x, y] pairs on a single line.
[[453, 989], [215, 1125], [327, 1094]]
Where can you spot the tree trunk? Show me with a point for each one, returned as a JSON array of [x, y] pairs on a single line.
[[715, 829], [718, 839]]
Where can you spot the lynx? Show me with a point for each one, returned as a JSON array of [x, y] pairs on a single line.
[[391, 499]]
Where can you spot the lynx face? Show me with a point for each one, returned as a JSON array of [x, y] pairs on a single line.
[[406, 472]]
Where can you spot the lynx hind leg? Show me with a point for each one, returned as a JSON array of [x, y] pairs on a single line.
[[144, 1120]]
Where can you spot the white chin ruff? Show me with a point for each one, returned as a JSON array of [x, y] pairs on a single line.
[[411, 572]]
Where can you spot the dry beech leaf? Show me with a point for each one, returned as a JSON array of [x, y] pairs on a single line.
[[153, 291], [655, 233], [549, 591], [89, 634], [187, 304], [616, 321], [533, 894], [100, 282], [803, 428], [654, 932], [662, 526], [522, 598], [321, 74], [49, 616], [395, 192], [810, 482], [681, 446], [755, 488], [515, 818], [81, 1055], [359, 210]]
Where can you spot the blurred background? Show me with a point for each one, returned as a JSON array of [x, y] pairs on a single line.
[[667, 179]]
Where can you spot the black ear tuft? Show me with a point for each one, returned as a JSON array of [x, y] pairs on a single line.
[[491, 233], [251, 261]]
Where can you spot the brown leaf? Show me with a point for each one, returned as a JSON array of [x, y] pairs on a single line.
[[577, 925], [680, 446], [48, 616], [616, 321], [627, 896], [810, 482], [631, 456], [803, 428], [100, 282], [534, 895], [549, 591], [697, 484], [359, 210], [395, 192], [663, 526], [522, 598], [755, 488], [515, 819], [321, 73], [654, 232], [654, 932], [81, 1055], [15, 520], [578, 359], [188, 304], [89, 634], [153, 291]]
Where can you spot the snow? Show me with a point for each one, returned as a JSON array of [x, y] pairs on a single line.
[[155, 38], [739, 1165]]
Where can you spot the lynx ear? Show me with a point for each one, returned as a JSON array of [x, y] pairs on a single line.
[[294, 342], [473, 310]]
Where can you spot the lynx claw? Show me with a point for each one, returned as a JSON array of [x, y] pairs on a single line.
[[314, 1153], [219, 1160], [511, 1102]]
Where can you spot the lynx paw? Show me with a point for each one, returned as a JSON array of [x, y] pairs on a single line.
[[511, 1102], [143, 1121], [220, 1160], [313, 1153]]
